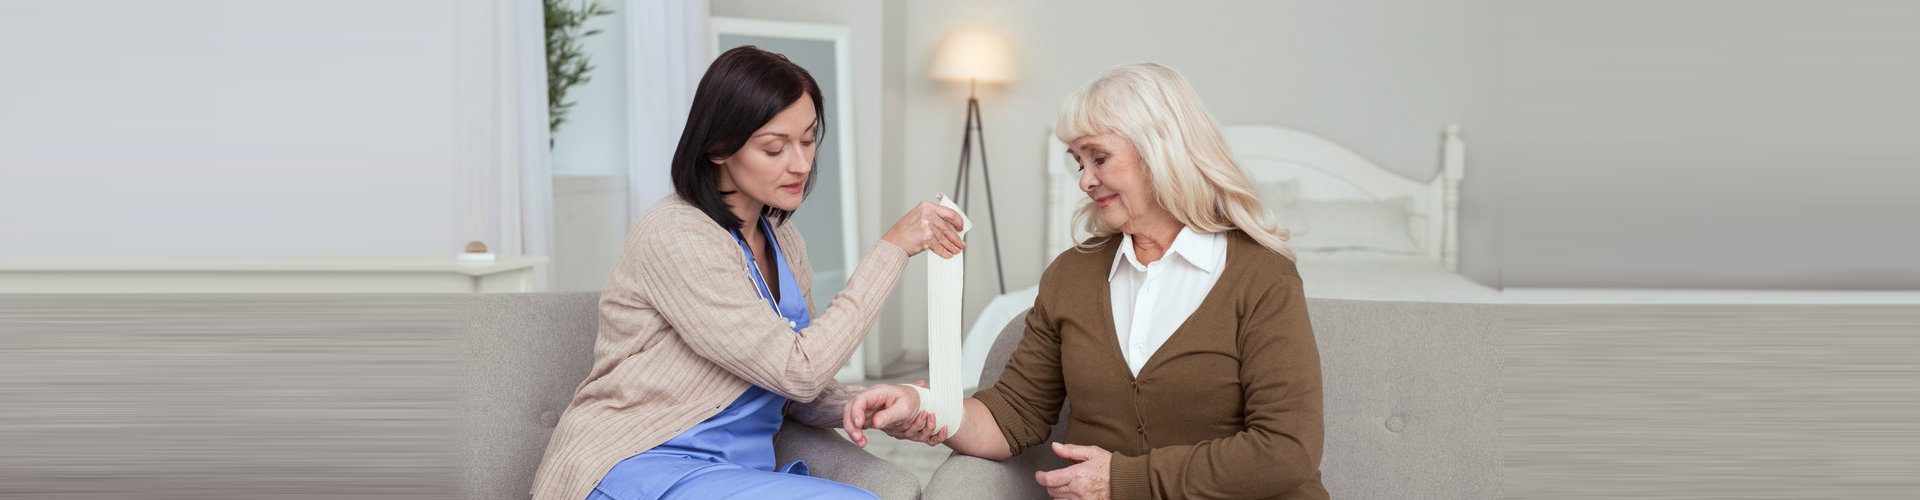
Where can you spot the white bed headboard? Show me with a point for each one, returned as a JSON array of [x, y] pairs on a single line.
[[1324, 171]]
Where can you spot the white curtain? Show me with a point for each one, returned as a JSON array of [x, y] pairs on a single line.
[[501, 141], [668, 47], [535, 158]]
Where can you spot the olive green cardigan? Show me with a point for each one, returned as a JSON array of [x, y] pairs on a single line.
[[1229, 407]]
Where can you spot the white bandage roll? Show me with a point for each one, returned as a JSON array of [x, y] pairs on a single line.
[[946, 281]]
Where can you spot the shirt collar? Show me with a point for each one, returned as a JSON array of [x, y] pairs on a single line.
[[1193, 247]]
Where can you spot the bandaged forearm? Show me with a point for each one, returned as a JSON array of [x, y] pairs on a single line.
[[946, 280], [945, 414]]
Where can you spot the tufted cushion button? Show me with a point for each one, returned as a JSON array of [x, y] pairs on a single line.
[[1394, 423], [549, 419]]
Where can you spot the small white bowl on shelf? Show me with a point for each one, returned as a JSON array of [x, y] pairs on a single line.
[[476, 252]]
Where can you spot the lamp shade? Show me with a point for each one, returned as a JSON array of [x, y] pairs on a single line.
[[973, 56]]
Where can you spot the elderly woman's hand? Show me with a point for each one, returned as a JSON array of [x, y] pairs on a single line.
[[1086, 480], [928, 227], [894, 410]]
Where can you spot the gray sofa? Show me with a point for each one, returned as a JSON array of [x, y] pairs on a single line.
[[1412, 406], [334, 396], [527, 353], [309, 397], [449, 396], [1412, 403]]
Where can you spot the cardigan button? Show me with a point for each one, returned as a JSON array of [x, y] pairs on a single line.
[[549, 419], [1141, 429], [1394, 423]]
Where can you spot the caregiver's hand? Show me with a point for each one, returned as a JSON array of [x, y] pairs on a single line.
[[895, 410], [928, 227]]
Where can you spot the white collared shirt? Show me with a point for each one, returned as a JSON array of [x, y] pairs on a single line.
[[1151, 301]]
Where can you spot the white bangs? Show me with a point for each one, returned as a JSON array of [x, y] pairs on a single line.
[[1089, 111]]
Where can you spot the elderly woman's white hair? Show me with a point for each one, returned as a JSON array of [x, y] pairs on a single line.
[[1193, 174]]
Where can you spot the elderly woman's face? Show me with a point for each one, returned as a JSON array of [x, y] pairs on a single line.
[[1112, 174]]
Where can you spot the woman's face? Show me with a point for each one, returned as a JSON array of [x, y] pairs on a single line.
[[771, 168], [1113, 175]]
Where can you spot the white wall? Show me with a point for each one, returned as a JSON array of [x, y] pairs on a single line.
[[1714, 144], [590, 167], [590, 222], [1383, 78], [203, 127]]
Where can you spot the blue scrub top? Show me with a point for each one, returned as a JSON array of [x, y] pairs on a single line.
[[742, 434]]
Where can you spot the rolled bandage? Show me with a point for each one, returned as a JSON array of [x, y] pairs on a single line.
[[946, 280]]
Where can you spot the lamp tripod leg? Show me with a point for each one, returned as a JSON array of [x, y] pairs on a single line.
[[986, 176], [975, 133]]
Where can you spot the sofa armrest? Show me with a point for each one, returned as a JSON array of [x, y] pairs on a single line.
[[963, 477], [831, 456]]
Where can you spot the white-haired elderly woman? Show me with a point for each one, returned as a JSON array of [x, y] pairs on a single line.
[[1179, 329]]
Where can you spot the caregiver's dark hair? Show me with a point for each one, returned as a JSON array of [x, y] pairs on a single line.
[[742, 91]]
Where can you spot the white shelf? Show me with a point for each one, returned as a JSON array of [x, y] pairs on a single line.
[[265, 274]]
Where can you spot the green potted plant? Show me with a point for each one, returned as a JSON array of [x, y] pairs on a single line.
[[567, 63]]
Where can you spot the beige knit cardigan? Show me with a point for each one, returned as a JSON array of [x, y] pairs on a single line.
[[683, 332]]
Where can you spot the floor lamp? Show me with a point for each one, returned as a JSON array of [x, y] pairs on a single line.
[[975, 57]]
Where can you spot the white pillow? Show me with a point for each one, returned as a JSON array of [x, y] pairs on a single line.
[[1349, 224], [1277, 194]]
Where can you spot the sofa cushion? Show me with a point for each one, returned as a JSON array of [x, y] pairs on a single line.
[[526, 354]]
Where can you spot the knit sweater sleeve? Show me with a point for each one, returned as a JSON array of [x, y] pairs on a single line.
[[694, 275], [1025, 402]]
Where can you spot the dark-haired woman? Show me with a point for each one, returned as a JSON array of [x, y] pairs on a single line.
[[707, 339]]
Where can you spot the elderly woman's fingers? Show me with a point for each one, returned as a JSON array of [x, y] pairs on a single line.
[[1057, 478], [929, 430], [920, 424], [932, 435], [939, 436], [905, 427]]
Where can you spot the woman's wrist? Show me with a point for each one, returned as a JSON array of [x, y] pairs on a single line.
[[950, 415], [886, 243], [919, 395]]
